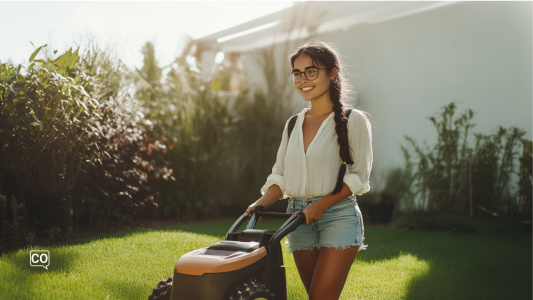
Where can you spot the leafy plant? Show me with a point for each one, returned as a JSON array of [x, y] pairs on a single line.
[[442, 171], [493, 165], [255, 137], [193, 118], [121, 181], [525, 177], [453, 177], [43, 126]]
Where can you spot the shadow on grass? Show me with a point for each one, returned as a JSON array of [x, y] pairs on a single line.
[[461, 265]]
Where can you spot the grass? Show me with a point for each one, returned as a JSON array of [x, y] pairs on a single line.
[[398, 264]]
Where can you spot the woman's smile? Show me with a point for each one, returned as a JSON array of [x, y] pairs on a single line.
[[308, 89]]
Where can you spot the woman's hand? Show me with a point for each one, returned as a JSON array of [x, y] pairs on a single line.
[[313, 213], [250, 209]]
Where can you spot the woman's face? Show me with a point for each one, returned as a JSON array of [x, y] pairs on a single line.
[[312, 89]]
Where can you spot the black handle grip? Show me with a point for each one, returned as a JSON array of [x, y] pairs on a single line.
[[289, 226], [236, 225]]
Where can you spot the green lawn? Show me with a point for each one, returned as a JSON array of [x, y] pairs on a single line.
[[398, 264]]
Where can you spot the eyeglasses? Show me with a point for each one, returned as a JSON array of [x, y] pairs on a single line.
[[310, 74]]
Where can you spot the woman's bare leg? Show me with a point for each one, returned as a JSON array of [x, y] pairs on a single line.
[[330, 272], [305, 263]]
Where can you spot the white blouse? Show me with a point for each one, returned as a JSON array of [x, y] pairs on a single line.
[[313, 174]]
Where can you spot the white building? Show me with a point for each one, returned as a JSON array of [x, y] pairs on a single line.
[[406, 60]]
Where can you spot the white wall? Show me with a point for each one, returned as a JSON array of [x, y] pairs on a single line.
[[477, 54]]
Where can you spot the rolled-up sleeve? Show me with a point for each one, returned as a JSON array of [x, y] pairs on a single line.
[[277, 171], [360, 140]]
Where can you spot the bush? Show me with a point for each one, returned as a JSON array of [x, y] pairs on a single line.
[[124, 174], [123, 178], [44, 126], [64, 132]]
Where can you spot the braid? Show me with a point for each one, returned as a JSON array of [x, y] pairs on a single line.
[[340, 128]]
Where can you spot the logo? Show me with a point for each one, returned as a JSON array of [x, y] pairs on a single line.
[[40, 258]]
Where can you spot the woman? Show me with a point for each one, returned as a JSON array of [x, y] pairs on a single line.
[[307, 172]]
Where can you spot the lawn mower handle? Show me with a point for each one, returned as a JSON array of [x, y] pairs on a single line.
[[274, 245], [293, 221]]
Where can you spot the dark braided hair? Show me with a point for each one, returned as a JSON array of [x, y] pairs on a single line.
[[339, 90]]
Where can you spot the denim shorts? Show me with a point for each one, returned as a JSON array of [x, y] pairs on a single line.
[[341, 225]]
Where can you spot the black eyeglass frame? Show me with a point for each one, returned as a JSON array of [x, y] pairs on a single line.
[[307, 69]]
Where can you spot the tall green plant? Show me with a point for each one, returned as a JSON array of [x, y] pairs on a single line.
[[442, 172], [453, 177], [193, 118], [526, 178], [493, 166], [254, 140]]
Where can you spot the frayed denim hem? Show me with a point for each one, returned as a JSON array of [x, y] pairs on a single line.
[[361, 247], [302, 248]]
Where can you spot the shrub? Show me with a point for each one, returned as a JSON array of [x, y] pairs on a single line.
[[124, 174], [44, 119], [122, 180], [64, 132]]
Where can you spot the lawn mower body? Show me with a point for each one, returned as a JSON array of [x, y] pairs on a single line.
[[253, 255]]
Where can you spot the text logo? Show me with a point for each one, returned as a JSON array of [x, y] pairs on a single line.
[[40, 258]]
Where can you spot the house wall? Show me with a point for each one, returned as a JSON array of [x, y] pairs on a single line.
[[477, 54]]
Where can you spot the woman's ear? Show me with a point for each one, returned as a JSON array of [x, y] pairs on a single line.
[[333, 74]]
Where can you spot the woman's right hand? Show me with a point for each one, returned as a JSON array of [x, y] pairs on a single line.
[[250, 209]]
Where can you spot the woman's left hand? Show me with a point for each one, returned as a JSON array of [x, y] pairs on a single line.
[[313, 213]]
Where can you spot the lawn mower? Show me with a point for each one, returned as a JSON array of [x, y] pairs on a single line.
[[246, 265]]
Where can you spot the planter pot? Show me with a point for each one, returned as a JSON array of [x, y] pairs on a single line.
[[50, 213]]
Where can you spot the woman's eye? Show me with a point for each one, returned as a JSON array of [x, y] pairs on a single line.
[[311, 72]]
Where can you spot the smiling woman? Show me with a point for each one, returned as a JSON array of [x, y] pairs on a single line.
[[312, 171]]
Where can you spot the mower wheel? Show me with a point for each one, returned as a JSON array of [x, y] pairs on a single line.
[[251, 291], [162, 290]]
